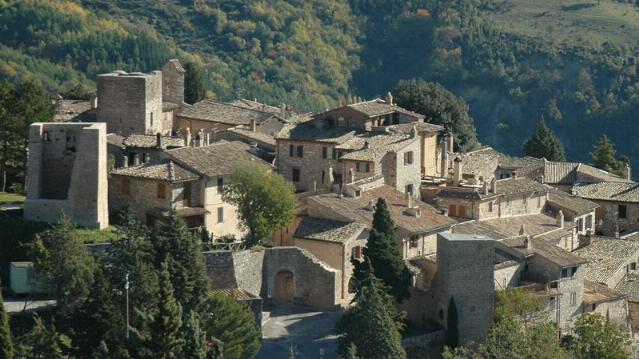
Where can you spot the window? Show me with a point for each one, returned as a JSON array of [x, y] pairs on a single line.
[[300, 151], [368, 167], [333, 154], [452, 210], [151, 119], [414, 242], [632, 267], [357, 252], [490, 206], [396, 118], [220, 215], [220, 184], [296, 174], [323, 176], [161, 191], [573, 298], [573, 271], [589, 222], [462, 211], [357, 167], [409, 189], [564, 273], [408, 158], [622, 211], [580, 224], [324, 152], [291, 151], [125, 185]]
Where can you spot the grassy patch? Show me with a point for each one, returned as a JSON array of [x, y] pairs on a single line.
[[94, 236], [585, 22], [11, 198]]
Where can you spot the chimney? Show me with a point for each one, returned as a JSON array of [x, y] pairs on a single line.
[[444, 163], [187, 137], [389, 98], [528, 243], [450, 143], [94, 102], [485, 187], [351, 175], [626, 171], [171, 171], [253, 126], [284, 111], [125, 161], [457, 171], [560, 219], [541, 179], [493, 185], [409, 200], [136, 159], [522, 230], [158, 140]]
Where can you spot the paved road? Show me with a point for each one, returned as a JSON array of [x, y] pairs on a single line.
[[308, 332], [17, 305]]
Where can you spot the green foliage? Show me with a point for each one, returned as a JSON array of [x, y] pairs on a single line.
[[16, 238], [439, 106], [42, 342], [372, 324], [6, 344], [194, 90], [66, 265], [544, 144], [20, 106], [160, 334], [174, 244], [603, 157], [195, 346], [233, 324], [266, 201], [600, 338], [384, 255], [351, 352], [452, 325]]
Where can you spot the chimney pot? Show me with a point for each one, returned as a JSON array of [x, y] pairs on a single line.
[[560, 219], [493, 185], [125, 161], [158, 140], [136, 159]]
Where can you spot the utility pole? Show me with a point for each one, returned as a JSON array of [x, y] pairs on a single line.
[[126, 288]]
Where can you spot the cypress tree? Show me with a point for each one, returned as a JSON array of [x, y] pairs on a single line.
[[6, 345], [544, 144], [603, 155], [384, 255], [194, 90], [452, 328], [372, 324], [195, 338]]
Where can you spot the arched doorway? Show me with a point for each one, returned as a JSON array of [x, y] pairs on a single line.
[[284, 286]]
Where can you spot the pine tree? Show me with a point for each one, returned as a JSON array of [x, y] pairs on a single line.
[[6, 345], [544, 144], [351, 352], [160, 335], [384, 255], [452, 321], [182, 251], [42, 341], [194, 90], [603, 155], [372, 324], [195, 338]]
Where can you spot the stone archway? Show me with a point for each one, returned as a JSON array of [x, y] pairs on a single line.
[[284, 285]]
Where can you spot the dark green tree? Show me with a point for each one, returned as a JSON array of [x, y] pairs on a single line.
[[603, 155], [544, 144], [440, 107], [266, 201], [65, 264], [351, 352], [384, 255], [174, 244], [233, 324], [452, 325], [372, 324], [599, 338], [6, 345], [194, 90], [195, 345], [20, 106], [160, 334], [42, 342]]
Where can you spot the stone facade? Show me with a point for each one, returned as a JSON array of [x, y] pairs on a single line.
[[314, 283], [131, 103], [610, 220], [173, 82], [67, 171]]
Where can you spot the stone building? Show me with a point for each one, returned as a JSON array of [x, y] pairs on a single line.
[[67, 172], [618, 202], [334, 243], [366, 141], [577, 210]]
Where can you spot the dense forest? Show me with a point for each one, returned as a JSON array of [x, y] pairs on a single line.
[[574, 63]]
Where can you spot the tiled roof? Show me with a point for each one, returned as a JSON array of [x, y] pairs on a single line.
[[257, 136], [574, 172], [209, 110], [606, 257], [115, 140], [480, 163], [328, 230], [407, 128], [505, 187], [215, 160], [150, 141], [595, 293], [379, 107], [629, 286], [254, 105], [609, 191], [564, 200], [356, 210], [549, 251], [73, 110], [178, 65], [164, 171], [311, 131], [499, 228], [372, 146]]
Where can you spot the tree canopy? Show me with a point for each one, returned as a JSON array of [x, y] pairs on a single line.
[[600, 338], [544, 144], [6, 344], [604, 156], [194, 89], [265, 200]]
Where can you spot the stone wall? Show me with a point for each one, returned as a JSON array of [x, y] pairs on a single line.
[[507, 276], [80, 149], [310, 165], [608, 215], [212, 202], [141, 198], [408, 174], [429, 154], [173, 82], [616, 310]]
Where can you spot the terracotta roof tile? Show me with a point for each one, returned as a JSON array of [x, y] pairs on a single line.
[[609, 191], [606, 257]]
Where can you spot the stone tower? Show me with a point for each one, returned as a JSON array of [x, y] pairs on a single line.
[[67, 172], [466, 265], [130, 103], [173, 82]]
